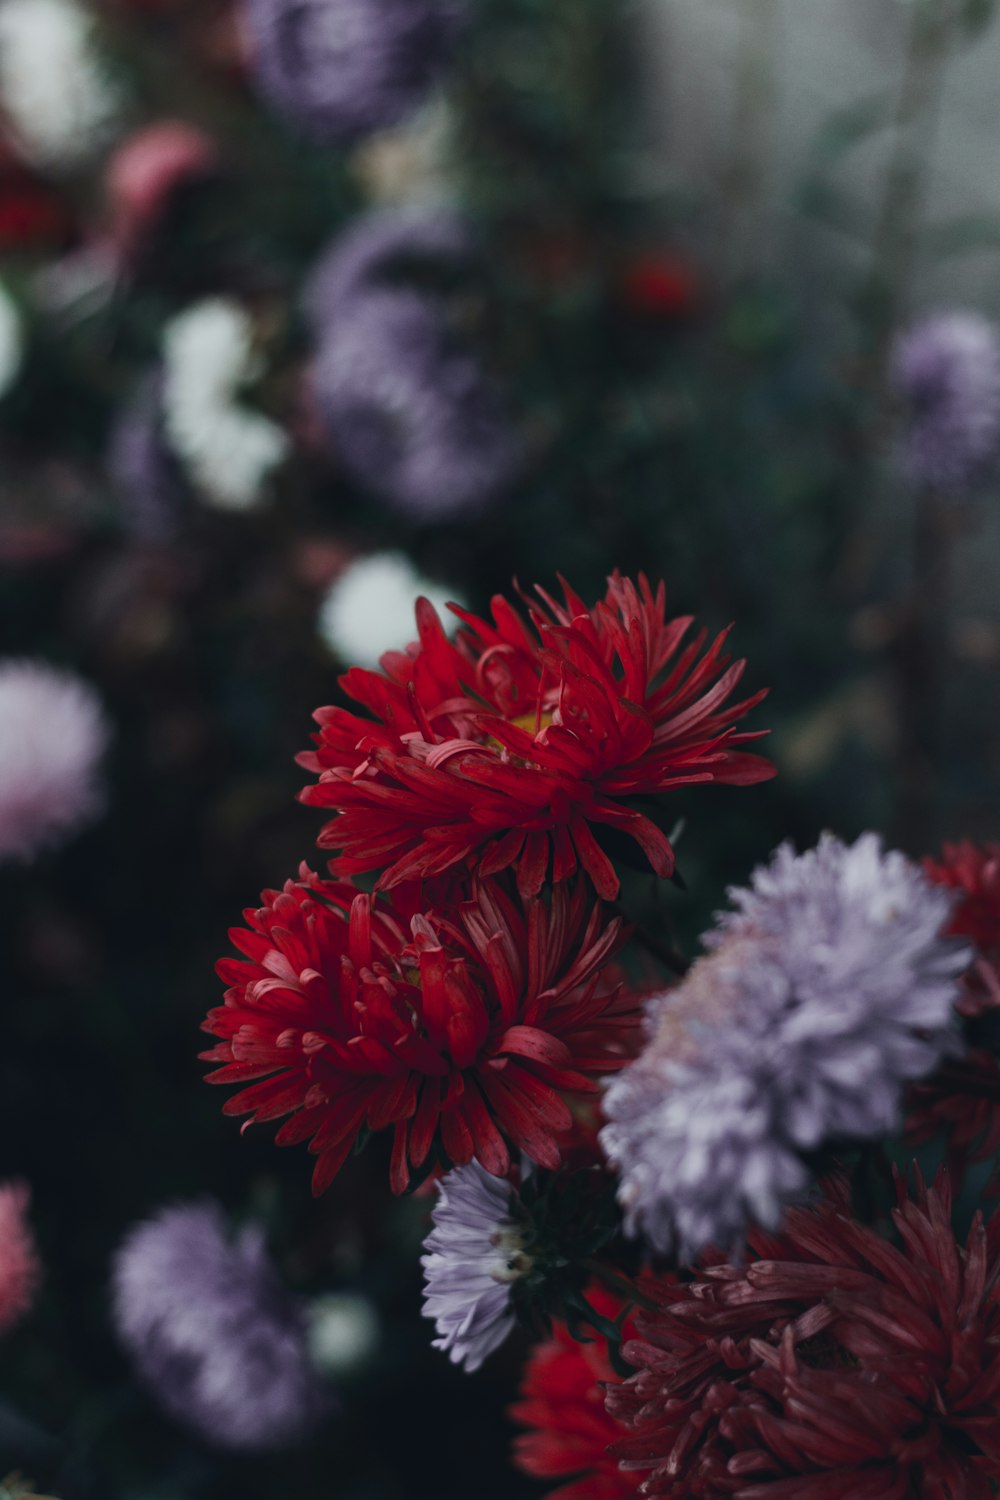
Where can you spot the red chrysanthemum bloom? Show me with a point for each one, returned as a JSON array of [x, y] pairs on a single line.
[[974, 871], [510, 745], [562, 1402], [835, 1366], [460, 1031]]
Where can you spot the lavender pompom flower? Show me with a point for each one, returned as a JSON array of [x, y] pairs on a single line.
[[946, 369], [53, 732], [214, 1335], [826, 990], [359, 258], [411, 413], [474, 1255], [340, 69]]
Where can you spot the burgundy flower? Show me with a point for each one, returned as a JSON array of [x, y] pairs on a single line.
[[833, 1365], [460, 1031], [562, 1406], [513, 743], [973, 871], [961, 1101]]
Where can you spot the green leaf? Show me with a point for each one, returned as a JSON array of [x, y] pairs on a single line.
[[962, 236], [977, 15]]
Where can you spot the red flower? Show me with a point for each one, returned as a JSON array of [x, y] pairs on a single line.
[[461, 1031], [510, 745], [836, 1366], [562, 1402], [660, 286], [961, 1101], [974, 871]]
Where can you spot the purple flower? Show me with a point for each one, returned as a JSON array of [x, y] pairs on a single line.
[[141, 466], [947, 371], [825, 991], [53, 732], [410, 413], [475, 1253], [361, 256], [339, 69], [213, 1333]]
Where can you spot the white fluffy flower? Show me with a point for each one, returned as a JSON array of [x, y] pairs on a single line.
[[227, 449], [52, 735], [475, 1253], [11, 341], [369, 609], [54, 84]]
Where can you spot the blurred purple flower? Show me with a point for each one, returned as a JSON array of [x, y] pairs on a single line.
[[340, 69], [142, 468], [475, 1253], [53, 733], [362, 255], [827, 990], [946, 369], [412, 414], [218, 1340]]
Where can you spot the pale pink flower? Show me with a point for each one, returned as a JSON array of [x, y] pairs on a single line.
[[20, 1269], [52, 734]]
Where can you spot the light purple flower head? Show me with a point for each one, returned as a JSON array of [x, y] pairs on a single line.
[[411, 414], [946, 369], [53, 732], [212, 1332], [474, 1254], [826, 991], [339, 69], [141, 466], [366, 253]]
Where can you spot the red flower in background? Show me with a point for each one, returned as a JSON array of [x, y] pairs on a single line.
[[460, 1031], [834, 1366], [961, 1099], [974, 872], [562, 1402], [660, 286], [510, 745]]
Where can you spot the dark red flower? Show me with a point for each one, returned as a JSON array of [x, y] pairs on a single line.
[[974, 871], [562, 1402], [961, 1101], [834, 1366], [510, 745], [460, 1031], [660, 286]]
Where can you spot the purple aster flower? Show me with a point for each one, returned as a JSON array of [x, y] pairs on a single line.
[[946, 369], [142, 468], [475, 1253], [826, 990], [410, 412], [339, 69], [364, 253], [211, 1331]]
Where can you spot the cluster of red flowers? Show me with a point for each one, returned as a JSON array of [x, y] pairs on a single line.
[[460, 1003], [832, 1365]]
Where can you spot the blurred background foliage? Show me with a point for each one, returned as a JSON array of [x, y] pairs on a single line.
[[687, 407]]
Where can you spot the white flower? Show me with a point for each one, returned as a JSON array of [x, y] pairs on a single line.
[[52, 735], [369, 609], [343, 1331], [11, 341], [475, 1253], [227, 449], [54, 85]]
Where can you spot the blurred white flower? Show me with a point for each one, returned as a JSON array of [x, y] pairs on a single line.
[[369, 609], [343, 1331], [54, 85], [227, 449], [52, 735], [11, 341]]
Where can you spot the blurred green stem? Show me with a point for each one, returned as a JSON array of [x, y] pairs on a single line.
[[744, 177]]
